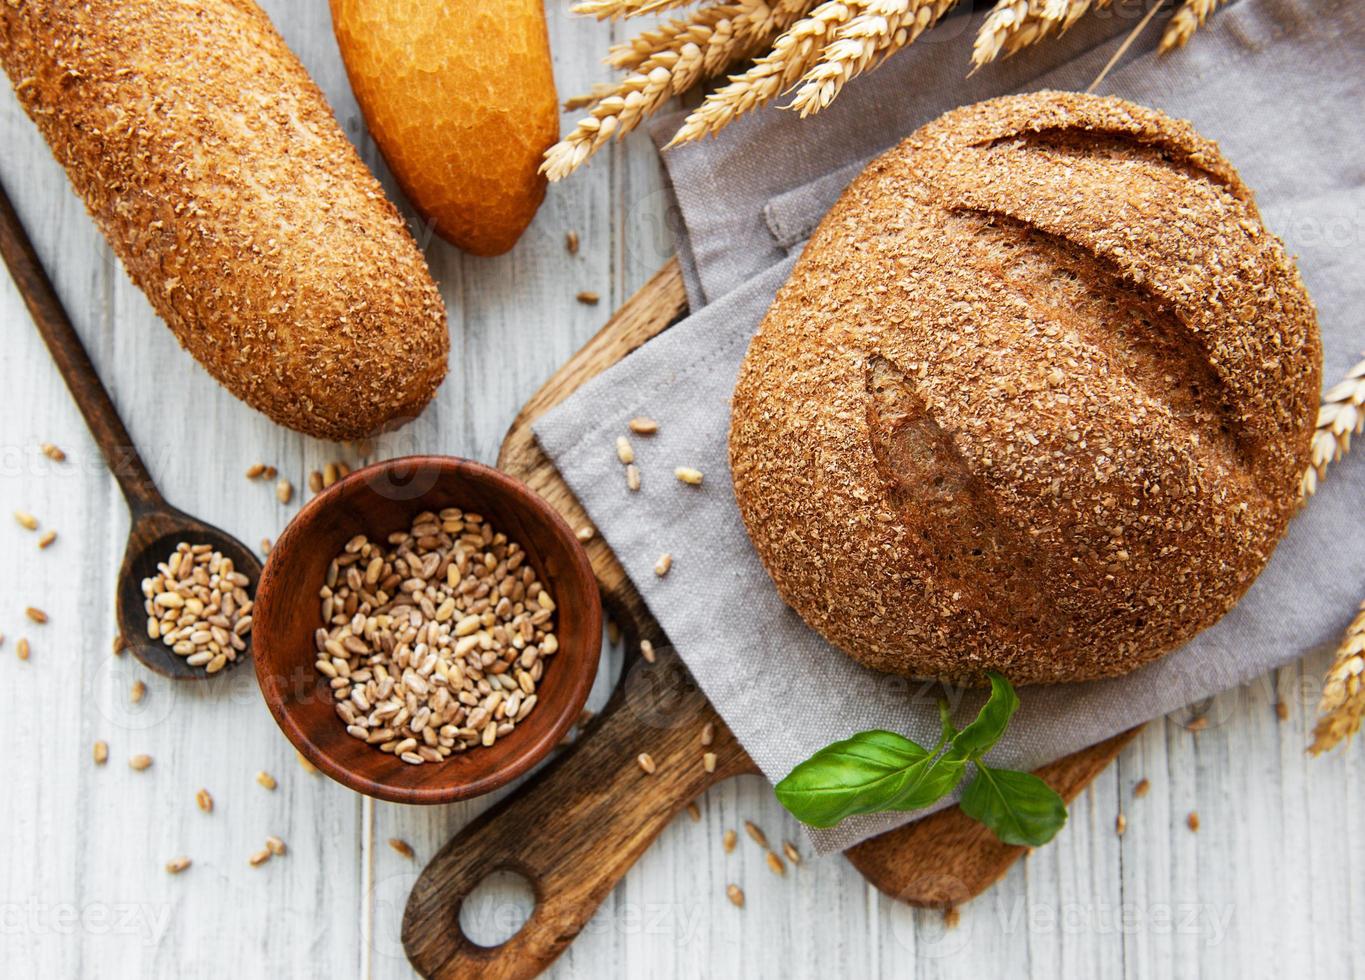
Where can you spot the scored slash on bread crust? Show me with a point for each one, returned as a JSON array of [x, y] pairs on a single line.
[[212, 163], [1037, 397]]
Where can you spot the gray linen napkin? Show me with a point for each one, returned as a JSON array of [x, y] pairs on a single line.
[[1277, 82]]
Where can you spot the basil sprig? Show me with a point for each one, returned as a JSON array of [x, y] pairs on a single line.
[[877, 771]]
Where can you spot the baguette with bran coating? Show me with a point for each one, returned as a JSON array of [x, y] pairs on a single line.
[[212, 163]]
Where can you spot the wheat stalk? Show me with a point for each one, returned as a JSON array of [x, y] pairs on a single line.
[[1184, 22], [882, 29], [612, 9], [752, 28], [663, 63], [1015, 24], [794, 53], [1340, 417], [1343, 695]]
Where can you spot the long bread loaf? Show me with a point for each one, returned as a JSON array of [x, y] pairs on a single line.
[[212, 163]]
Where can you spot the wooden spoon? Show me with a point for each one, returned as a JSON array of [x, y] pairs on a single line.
[[157, 527]]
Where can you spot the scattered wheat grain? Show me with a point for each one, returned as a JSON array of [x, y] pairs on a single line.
[[646, 762], [1143, 785], [140, 762], [21, 649], [664, 563], [588, 298], [1120, 824], [36, 614], [53, 453], [284, 491], [259, 858], [138, 692], [694, 812], [647, 651], [753, 831], [177, 865], [736, 895], [100, 753], [728, 841], [571, 242], [275, 846], [708, 761], [266, 780], [688, 475], [625, 452], [632, 478], [641, 425], [402, 847], [1192, 821], [205, 800], [26, 520], [789, 849]]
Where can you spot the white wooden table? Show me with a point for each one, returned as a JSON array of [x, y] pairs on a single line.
[[1273, 884]]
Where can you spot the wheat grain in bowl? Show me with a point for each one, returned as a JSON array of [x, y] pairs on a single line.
[[434, 642], [198, 605]]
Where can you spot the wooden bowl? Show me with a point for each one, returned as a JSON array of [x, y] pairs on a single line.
[[376, 501]]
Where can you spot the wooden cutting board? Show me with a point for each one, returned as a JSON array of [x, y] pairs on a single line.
[[591, 812]]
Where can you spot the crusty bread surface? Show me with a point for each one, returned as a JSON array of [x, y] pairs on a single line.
[[460, 97], [212, 163], [1037, 397]]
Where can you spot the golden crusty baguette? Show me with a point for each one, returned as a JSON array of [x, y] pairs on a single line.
[[214, 167], [460, 97]]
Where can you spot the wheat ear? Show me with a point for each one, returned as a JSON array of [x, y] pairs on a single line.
[[794, 53], [1015, 24], [1340, 417], [1343, 695], [1184, 22], [754, 28], [668, 62], [882, 29], [612, 9]]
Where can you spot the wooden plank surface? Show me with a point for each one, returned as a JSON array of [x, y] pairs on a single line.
[[1272, 884]]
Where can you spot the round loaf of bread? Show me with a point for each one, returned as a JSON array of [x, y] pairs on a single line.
[[1037, 398]]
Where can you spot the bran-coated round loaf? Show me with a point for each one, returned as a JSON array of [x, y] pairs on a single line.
[[1037, 397]]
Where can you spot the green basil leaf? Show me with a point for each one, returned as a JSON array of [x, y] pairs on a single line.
[[945, 720], [1018, 806], [868, 773], [980, 736], [931, 783]]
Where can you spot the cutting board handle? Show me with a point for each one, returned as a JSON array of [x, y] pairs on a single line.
[[576, 829]]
